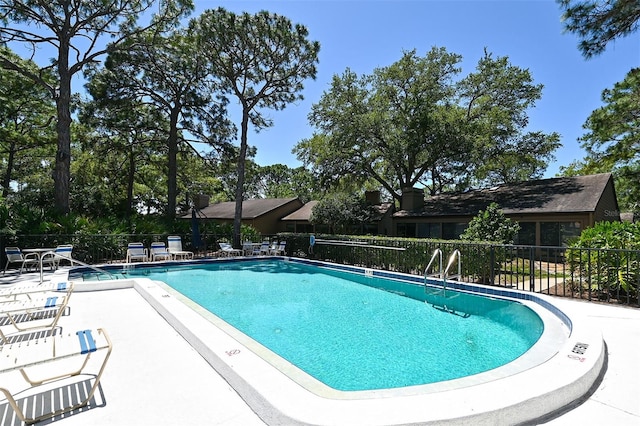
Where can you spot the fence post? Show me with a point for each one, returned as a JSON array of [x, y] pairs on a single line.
[[492, 263], [532, 269], [2, 246]]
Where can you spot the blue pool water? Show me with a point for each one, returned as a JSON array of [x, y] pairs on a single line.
[[352, 336]]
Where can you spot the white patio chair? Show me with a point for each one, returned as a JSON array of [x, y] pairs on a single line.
[[136, 252], [247, 248], [174, 246], [62, 252], [49, 350], [279, 250], [263, 249], [228, 250], [159, 251], [15, 255]]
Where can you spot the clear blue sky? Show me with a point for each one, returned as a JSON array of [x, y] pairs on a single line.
[[365, 34]]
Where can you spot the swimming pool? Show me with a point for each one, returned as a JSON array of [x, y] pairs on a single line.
[[346, 331], [545, 378]]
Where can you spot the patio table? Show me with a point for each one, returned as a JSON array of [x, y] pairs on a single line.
[[39, 251]]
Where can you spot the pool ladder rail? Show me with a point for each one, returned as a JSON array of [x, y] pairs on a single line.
[[452, 259], [437, 255], [444, 274]]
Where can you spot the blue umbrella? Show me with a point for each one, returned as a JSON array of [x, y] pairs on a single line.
[[195, 230]]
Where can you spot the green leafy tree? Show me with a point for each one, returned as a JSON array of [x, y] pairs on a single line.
[[388, 126], [614, 129], [598, 22], [274, 181], [491, 225], [414, 122], [121, 161], [610, 235], [117, 139], [342, 213], [138, 76], [497, 97], [227, 169], [281, 181], [197, 175], [262, 60], [26, 114], [612, 141], [73, 29]]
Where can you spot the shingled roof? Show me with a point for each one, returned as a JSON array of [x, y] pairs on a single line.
[[556, 195], [303, 213], [251, 209]]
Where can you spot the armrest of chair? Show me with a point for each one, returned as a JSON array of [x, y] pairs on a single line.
[[30, 256], [41, 350], [47, 257]]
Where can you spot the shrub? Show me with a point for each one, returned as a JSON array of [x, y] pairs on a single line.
[[614, 271], [489, 226], [614, 235]]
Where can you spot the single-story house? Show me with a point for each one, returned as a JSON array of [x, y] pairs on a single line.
[[263, 214], [549, 211]]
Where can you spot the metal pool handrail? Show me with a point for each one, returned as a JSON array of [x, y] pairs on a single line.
[[436, 252], [452, 258], [72, 260]]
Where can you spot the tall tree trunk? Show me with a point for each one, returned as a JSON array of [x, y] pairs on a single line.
[[62, 172], [172, 178], [131, 181], [237, 219]]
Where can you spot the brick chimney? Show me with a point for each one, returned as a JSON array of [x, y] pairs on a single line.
[[200, 201], [412, 199], [372, 197]]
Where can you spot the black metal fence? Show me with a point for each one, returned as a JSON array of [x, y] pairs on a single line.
[[605, 275]]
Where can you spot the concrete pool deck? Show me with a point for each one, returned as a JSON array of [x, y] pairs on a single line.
[[154, 377]]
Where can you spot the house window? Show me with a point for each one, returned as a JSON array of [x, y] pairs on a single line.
[[370, 229], [429, 230], [558, 233], [526, 234], [569, 231], [451, 231], [305, 228], [550, 233], [406, 229]]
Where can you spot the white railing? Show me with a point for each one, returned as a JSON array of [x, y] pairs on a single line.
[[452, 258], [437, 254], [72, 260]]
